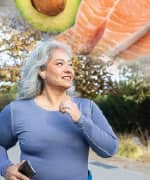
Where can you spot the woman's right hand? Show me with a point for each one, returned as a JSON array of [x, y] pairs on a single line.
[[12, 173]]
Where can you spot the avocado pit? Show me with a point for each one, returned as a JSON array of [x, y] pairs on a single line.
[[49, 7]]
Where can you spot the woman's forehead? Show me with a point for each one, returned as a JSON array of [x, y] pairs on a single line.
[[58, 50], [59, 54]]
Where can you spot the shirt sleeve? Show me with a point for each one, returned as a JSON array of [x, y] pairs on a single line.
[[7, 139], [98, 132]]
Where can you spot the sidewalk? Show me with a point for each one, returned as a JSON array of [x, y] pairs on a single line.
[[100, 171]]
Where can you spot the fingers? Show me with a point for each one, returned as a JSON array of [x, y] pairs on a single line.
[[13, 178], [21, 176], [17, 176], [72, 109], [12, 173], [65, 106], [65, 110]]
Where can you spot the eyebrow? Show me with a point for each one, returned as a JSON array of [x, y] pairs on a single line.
[[59, 60], [62, 60]]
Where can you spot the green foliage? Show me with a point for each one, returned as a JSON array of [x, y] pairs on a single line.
[[17, 38], [125, 115], [129, 149], [7, 94], [135, 90], [133, 81], [92, 77], [10, 73], [127, 106], [121, 113], [132, 147]]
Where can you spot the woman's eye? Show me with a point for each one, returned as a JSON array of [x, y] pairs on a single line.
[[71, 64], [59, 64]]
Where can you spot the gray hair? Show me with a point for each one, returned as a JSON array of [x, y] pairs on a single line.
[[31, 84]]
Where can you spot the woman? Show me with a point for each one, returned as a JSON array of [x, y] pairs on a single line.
[[54, 130]]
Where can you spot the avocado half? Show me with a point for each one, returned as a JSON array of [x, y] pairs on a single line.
[[45, 23]]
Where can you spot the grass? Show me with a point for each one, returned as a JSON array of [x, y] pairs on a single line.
[[132, 147], [146, 154]]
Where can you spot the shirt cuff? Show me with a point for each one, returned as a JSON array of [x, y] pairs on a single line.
[[83, 122], [4, 167]]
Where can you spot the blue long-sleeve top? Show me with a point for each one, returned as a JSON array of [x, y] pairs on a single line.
[[56, 146]]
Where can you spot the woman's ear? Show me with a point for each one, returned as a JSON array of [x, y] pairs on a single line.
[[42, 74]]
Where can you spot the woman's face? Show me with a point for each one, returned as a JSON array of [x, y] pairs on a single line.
[[59, 71]]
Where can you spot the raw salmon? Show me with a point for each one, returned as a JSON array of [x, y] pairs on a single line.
[[127, 18], [139, 49], [111, 29], [89, 25]]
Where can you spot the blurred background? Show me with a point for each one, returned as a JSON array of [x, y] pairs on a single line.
[[120, 89]]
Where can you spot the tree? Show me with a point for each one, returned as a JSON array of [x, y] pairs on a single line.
[[91, 76], [16, 40], [134, 81]]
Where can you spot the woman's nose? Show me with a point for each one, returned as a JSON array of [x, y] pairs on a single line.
[[69, 68]]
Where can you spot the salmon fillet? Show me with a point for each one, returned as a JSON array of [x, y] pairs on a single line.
[[126, 19], [111, 29], [89, 26], [138, 50]]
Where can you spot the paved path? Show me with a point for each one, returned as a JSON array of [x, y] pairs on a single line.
[[99, 170]]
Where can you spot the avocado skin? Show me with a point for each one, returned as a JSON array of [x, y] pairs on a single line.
[[45, 23]]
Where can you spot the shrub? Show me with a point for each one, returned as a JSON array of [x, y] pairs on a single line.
[[7, 95], [121, 113], [129, 149], [91, 76], [125, 115]]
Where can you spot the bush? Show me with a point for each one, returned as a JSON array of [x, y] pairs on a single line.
[[119, 112], [7, 95], [129, 149], [92, 76], [127, 107], [125, 115]]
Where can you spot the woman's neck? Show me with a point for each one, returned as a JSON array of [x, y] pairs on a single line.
[[54, 96], [51, 98]]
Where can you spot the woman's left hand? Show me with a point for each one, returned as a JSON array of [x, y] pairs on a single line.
[[71, 108]]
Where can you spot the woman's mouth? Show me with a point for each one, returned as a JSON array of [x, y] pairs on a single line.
[[68, 78]]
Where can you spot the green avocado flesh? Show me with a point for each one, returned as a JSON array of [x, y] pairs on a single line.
[[45, 23]]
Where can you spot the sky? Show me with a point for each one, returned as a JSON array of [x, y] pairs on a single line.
[[6, 2]]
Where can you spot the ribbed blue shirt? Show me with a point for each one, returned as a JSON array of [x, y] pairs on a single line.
[[56, 146]]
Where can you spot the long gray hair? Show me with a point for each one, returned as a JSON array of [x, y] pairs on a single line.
[[31, 84]]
